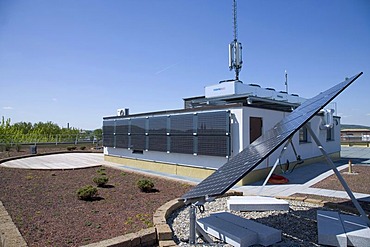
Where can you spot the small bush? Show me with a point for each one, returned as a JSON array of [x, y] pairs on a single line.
[[145, 185], [7, 147], [101, 180], [87, 193], [82, 148], [101, 171], [71, 148], [18, 147]]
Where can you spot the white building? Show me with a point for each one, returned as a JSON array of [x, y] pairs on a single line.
[[213, 128]]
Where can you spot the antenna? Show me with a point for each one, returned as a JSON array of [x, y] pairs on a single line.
[[286, 81], [235, 48]]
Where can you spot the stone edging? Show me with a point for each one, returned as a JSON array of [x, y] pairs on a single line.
[[164, 232], [9, 233]]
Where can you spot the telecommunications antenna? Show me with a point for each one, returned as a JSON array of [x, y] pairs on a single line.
[[235, 48]]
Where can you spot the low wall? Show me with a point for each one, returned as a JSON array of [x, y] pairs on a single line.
[[202, 173]]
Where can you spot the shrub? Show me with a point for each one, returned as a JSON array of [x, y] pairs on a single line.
[[71, 148], [145, 185], [100, 180], [87, 192], [82, 148], [101, 171], [18, 147]]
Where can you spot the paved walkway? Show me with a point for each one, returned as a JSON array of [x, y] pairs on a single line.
[[300, 179]]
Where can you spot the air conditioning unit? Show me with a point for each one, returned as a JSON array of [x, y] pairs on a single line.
[[122, 112], [328, 119]]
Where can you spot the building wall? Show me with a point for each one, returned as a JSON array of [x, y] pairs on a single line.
[[240, 139]]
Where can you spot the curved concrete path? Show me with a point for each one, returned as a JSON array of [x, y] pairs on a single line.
[[57, 161]]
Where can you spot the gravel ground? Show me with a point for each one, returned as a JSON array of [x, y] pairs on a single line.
[[298, 225]]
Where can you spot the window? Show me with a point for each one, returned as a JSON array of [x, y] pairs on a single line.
[[303, 135], [330, 134]]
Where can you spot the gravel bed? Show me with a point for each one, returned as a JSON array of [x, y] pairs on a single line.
[[298, 225]]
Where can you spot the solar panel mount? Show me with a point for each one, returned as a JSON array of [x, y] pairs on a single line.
[[236, 168]]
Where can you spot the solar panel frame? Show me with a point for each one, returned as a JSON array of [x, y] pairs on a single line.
[[235, 169]]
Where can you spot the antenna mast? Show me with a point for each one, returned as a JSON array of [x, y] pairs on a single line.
[[235, 48]]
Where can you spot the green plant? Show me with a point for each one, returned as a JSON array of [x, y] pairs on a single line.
[[87, 192], [71, 148], [101, 180], [18, 147], [101, 171], [82, 148], [145, 185], [7, 147]]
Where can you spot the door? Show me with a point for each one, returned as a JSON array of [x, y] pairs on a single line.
[[255, 128]]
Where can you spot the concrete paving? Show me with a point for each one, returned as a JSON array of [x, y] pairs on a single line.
[[57, 161]]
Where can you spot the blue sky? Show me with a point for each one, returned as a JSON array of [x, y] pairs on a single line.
[[77, 61]]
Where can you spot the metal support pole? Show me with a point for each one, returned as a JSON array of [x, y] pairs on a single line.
[[193, 222], [268, 176], [274, 167], [341, 179]]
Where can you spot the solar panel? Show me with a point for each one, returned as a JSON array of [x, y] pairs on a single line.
[[243, 163]]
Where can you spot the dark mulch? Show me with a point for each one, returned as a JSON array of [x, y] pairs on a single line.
[[45, 207], [359, 181]]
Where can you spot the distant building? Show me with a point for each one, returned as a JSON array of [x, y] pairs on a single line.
[[211, 129], [355, 135]]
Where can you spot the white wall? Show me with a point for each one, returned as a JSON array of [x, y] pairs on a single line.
[[240, 140]]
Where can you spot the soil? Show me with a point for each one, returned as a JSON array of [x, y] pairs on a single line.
[[358, 180], [46, 210], [45, 207]]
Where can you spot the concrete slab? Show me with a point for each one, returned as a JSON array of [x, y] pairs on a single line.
[[57, 161], [256, 203], [330, 230], [357, 231], [266, 235], [228, 232]]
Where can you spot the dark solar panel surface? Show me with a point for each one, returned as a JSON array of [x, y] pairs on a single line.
[[213, 145], [243, 163], [158, 125], [213, 123], [182, 124], [122, 126]]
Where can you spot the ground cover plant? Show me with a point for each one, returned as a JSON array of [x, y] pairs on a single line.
[[46, 209]]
